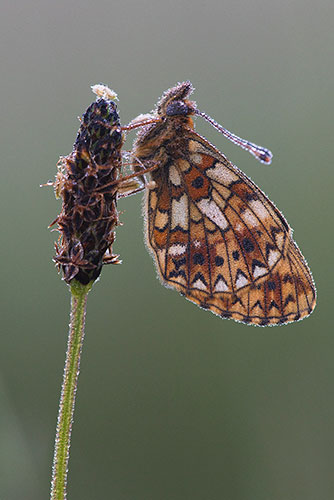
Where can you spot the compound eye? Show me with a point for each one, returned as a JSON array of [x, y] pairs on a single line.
[[177, 108]]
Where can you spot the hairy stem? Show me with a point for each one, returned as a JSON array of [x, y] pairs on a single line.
[[79, 294]]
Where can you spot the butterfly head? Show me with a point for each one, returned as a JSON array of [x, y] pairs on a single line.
[[172, 111], [174, 102]]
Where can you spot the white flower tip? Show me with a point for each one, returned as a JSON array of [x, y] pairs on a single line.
[[103, 91]]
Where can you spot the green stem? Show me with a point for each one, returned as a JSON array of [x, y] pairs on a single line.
[[79, 294]]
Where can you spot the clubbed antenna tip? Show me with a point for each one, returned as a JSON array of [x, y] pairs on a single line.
[[260, 153], [103, 91]]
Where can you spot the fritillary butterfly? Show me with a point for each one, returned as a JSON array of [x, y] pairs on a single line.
[[214, 235]]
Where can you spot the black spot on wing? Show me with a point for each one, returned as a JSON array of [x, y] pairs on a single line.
[[235, 255], [248, 245], [219, 261], [179, 262], [198, 182], [198, 258]]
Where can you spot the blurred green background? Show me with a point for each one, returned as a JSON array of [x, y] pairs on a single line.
[[173, 402]]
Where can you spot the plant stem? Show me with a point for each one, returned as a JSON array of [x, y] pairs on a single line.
[[79, 294]]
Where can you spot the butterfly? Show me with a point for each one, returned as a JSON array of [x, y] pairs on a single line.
[[214, 235]]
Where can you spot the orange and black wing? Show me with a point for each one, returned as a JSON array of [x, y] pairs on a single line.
[[222, 243]]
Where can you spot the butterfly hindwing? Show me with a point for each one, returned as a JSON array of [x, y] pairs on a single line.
[[222, 243]]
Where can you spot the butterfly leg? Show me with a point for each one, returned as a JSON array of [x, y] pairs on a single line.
[[128, 188]]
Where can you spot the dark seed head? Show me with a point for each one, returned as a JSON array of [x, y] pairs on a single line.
[[89, 214]]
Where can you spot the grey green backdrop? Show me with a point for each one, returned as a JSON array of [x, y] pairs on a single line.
[[173, 403]]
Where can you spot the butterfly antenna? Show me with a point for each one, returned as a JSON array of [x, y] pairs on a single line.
[[261, 154]]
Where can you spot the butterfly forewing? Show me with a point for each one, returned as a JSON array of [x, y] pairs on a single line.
[[217, 238]]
